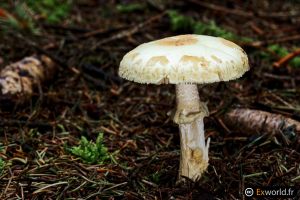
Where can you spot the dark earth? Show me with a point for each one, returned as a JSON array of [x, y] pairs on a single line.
[[87, 97]]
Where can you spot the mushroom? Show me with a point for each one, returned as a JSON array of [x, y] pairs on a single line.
[[187, 60]]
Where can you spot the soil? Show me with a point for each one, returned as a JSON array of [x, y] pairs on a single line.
[[87, 97]]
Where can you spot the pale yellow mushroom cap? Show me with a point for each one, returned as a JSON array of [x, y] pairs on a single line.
[[185, 59]]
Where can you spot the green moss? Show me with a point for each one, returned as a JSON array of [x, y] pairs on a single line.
[[132, 7], [53, 11], [180, 22], [22, 17]]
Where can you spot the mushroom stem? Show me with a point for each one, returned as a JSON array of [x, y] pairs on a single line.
[[189, 116]]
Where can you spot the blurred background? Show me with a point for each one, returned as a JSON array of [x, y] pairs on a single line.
[[83, 132]]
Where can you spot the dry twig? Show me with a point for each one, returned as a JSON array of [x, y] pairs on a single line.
[[222, 8], [127, 33], [287, 58]]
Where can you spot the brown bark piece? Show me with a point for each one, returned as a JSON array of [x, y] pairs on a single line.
[[255, 121], [19, 80]]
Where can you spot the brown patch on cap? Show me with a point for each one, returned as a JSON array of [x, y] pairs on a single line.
[[216, 59], [178, 40], [163, 60], [194, 60], [228, 43], [245, 60]]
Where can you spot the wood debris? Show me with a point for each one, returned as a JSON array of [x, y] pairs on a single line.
[[287, 58], [21, 78], [251, 121]]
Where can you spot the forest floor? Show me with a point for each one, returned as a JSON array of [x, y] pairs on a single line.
[[42, 152]]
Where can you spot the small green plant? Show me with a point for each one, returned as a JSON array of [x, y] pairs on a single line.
[[2, 165], [91, 152], [156, 177]]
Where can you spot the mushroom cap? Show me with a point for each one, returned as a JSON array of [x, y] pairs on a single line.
[[185, 59]]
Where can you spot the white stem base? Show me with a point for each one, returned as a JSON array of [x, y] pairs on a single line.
[[194, 151], [189, 116]]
